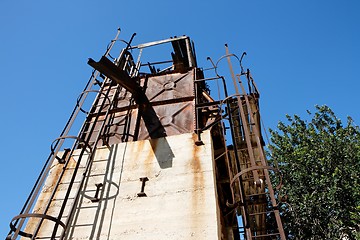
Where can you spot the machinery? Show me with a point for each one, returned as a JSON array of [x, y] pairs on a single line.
[[156, 155]]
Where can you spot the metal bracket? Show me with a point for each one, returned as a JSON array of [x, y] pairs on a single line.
[[96, 197], [64, 157], [198, 142], [142, 193]]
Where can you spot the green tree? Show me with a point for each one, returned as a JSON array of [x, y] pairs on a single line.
[[320, 162]]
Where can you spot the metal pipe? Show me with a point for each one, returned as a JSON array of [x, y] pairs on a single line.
[[189, 53], [150, 44]]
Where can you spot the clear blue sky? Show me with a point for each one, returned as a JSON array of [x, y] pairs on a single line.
[[301, 53]]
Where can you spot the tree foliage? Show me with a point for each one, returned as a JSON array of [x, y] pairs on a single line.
[[320, 162]]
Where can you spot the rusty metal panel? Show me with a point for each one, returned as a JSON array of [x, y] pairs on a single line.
[[172, 99], [176, 118], [169, 86], [170, 110]]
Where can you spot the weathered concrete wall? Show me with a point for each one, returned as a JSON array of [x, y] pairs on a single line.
[[180, 201]]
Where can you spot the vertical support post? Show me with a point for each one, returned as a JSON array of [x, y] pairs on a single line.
[[189, 53], [198, 142]]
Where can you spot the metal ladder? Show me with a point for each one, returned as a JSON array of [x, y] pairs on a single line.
[[72, 166], [253, 171]]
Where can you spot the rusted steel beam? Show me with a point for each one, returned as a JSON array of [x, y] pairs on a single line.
[[110, 70]]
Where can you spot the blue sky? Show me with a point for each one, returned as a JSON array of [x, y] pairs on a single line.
[[301, 53]]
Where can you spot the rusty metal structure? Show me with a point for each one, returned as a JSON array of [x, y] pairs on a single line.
[[133, 99]]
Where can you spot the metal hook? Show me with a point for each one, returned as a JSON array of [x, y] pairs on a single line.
[[241, 58]]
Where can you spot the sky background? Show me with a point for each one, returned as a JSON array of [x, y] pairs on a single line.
[[301, 53]]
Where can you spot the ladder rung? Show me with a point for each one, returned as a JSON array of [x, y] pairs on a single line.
[[92, 122], [258, 194], [266, 235], [96, 175], [100, 160], [43, 237], [259, 213], [84, 225], [90, 131], [116, 124], [89, 207]]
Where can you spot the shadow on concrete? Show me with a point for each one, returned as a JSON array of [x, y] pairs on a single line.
[[163, 153], [157, 132], [109, 192]]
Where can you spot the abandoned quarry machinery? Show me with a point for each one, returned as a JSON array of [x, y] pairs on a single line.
[[149, 153]]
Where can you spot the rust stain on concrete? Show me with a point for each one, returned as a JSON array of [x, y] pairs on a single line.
[[136, 155], [150, 157], [198, 184]]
